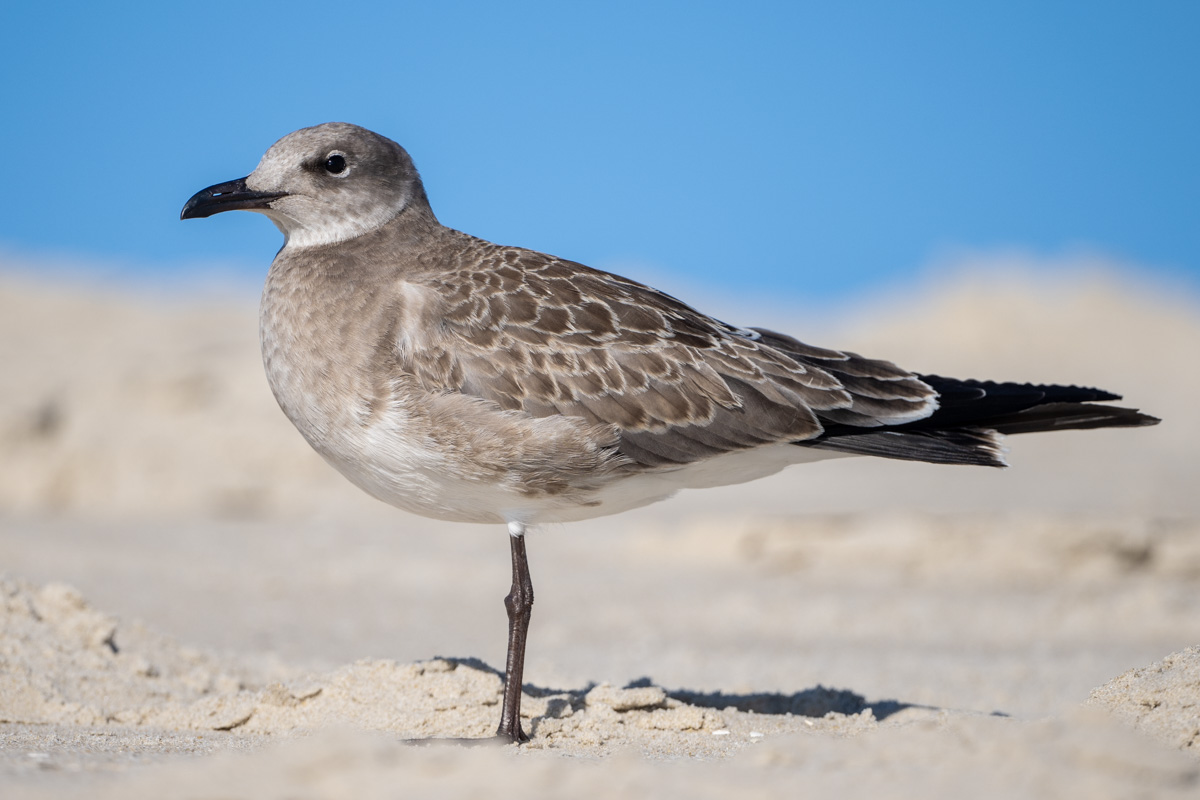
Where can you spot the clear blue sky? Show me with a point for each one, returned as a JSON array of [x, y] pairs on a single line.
[[802, 148]]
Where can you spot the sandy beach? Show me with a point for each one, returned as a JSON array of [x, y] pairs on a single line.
[[194, 605]]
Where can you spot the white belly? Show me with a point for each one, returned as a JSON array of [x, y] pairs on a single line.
[[645, 488], [399, 471]]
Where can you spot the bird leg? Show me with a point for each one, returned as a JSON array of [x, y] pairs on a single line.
[[519, 604]]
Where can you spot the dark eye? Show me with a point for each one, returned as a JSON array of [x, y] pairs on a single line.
[[335, 164]]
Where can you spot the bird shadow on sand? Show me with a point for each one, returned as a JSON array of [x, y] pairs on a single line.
[[815, 702]]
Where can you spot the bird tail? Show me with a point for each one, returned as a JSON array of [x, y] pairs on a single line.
[[972, 417]]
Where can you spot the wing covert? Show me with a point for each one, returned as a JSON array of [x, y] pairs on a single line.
[[532, 333]]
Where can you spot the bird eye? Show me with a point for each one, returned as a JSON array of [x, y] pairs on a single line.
[[335, 164]]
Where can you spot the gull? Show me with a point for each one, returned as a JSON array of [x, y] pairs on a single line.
[[469, 381]]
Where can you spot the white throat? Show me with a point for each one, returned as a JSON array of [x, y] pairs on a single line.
[[329, 228]]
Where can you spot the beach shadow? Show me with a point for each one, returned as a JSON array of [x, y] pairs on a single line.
[[815, 702]]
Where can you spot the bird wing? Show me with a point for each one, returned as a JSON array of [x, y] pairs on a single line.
[[533, 333]]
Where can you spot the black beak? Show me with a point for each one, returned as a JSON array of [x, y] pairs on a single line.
[[229, 196]]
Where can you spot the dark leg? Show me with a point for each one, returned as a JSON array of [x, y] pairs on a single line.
[[519, 603]]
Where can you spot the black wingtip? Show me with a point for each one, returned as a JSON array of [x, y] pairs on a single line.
[[956, 389], [1071, 416]]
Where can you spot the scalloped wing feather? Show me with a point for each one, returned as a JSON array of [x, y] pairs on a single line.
[[530, 332]]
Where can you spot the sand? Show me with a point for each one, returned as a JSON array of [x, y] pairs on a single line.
[[194, 605], [1162, 699]]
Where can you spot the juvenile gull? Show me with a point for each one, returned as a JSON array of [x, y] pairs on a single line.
[[469, 381]]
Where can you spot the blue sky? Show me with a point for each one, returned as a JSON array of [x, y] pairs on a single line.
[[785, 149]]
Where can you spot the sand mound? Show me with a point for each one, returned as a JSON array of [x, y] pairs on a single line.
[[64, 663], [68, 664], [1161, 700]]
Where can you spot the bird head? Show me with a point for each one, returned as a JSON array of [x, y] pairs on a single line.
[[321, 185]]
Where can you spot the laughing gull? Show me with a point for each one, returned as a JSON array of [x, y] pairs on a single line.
[[469, 381]]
